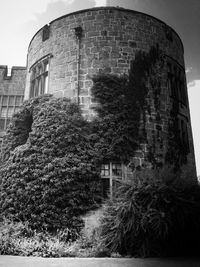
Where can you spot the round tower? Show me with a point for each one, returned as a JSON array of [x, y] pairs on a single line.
[[64, 55]]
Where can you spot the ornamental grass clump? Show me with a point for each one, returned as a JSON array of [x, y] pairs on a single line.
[[49, 175], [153, 219]]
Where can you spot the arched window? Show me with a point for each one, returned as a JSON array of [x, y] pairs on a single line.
[[39, 77]]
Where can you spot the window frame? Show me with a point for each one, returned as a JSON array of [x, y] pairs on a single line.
[[176, 83], [108, 173], [9, 105], [39, 77]]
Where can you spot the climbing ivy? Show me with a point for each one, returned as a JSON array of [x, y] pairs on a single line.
[[177, 151], [123, 105], [52, 155]]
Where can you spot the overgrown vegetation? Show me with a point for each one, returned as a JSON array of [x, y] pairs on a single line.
[[17, 238], [153, 219], [52, 178], [122, 104], [50, 175]]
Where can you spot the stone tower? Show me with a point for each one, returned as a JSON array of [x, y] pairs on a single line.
[[64, 55]]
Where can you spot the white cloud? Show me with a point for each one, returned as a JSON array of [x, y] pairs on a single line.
[[188, 70], [100, 2], [41, 6], [194, 96], [191, 84], [19, 23]]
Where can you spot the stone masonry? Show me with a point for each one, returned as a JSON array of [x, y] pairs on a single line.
[[13, 84], [110, 38], [105, 40]]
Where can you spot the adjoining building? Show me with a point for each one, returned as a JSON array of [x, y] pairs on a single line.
[[64, 55], [12, 86]]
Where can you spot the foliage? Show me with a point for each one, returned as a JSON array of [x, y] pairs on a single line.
[[52, 177], [122, 103], [151, 219], [16, 238], [50, 174]]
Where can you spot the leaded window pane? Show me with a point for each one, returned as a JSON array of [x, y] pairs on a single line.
[[5, 101], [18, 100], [4, 112], [117, 169], [10, 111], [11, 101]]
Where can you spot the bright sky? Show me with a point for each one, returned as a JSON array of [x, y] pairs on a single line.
[[21, 19]]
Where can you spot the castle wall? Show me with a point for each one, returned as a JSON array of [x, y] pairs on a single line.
[[13, 84]]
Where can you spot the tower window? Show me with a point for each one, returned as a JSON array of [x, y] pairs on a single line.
[[176, 84], [45, 33], [168, 33], [39, 78], [111, 173], [184, 135]]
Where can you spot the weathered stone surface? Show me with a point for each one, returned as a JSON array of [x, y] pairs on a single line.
[[13, 84], [111, 37]]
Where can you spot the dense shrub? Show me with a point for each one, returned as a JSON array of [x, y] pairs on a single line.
[[153, 219], [51, 175], [17, 238]]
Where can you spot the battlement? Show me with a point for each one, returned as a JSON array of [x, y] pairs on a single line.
[[12, 80], [7, 73]]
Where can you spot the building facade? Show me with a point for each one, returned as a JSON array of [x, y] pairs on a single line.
[[64, 55], [12, 86]]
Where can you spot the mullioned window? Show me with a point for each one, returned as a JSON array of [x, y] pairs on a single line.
[[39, 78]]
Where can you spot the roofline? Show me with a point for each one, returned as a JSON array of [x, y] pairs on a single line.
[[107, 7], [13, 67]]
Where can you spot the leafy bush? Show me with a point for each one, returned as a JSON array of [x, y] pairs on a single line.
[[51, 175], [153, 219], [16, 238]]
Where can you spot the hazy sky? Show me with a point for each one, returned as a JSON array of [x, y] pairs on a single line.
[[21, 19]]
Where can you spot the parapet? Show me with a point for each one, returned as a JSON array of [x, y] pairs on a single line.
[[7, 73]]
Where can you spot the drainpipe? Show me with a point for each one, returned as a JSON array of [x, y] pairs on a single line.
[[78, 34]]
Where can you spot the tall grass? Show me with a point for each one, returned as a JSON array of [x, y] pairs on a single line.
[[153, 218]]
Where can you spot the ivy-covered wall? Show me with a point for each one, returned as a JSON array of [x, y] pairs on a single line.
[[110, 38], [137, 116], [117, 41]]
